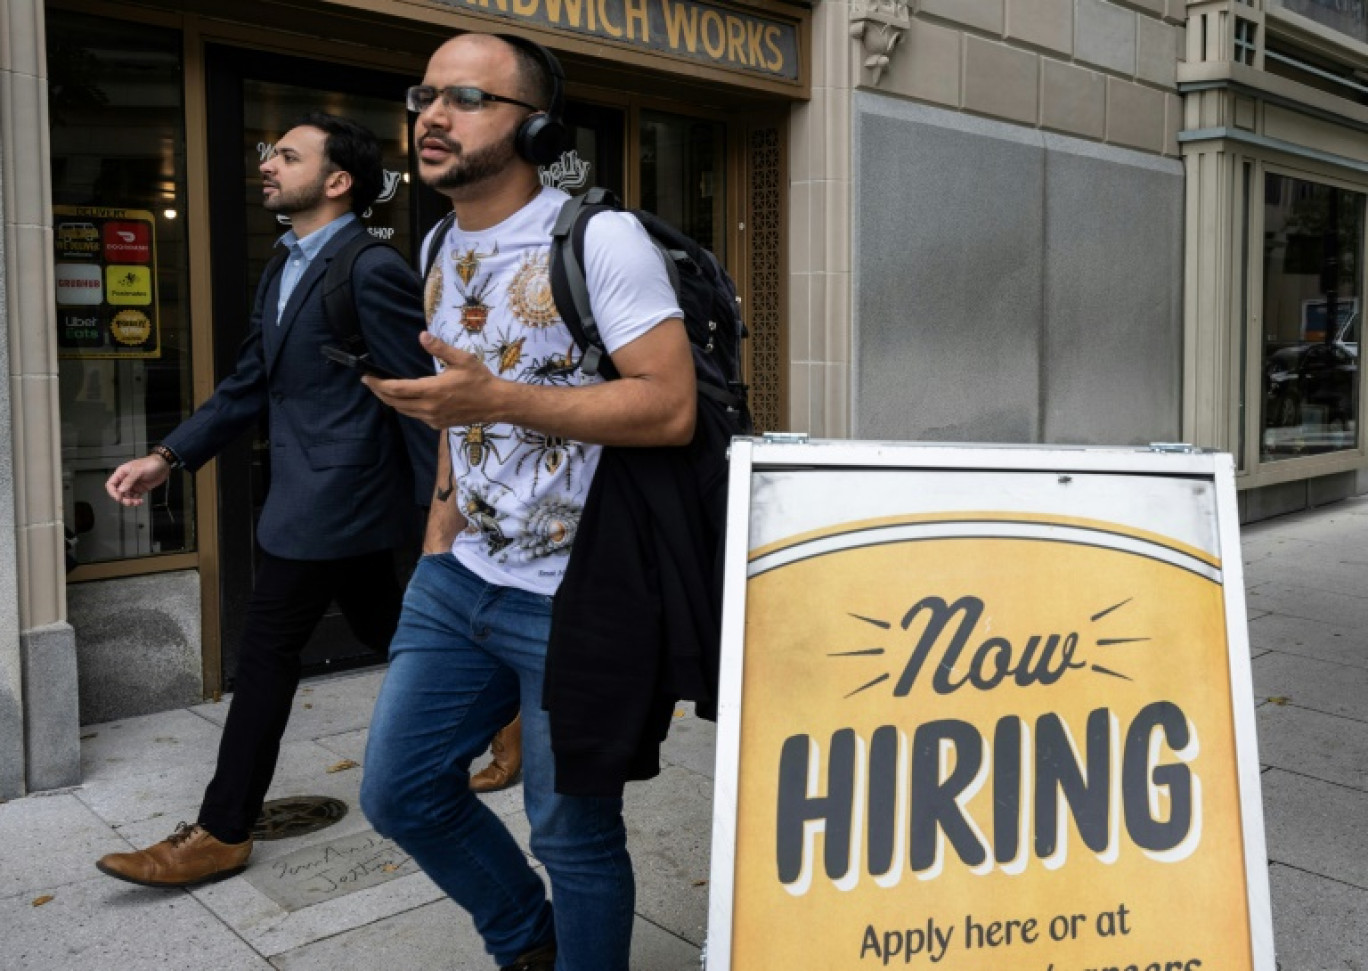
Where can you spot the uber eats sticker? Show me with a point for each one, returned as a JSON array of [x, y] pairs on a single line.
[[106, 280], [984, 740]]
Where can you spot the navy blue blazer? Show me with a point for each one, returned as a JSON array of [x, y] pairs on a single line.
[[346, 471]]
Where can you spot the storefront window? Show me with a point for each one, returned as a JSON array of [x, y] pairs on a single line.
[[1349, 17], [682, 175], [1313, 268], [123, 329]]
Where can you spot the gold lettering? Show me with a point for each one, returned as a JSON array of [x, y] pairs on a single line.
[[638, 14], [716, 48], [592, 25], [573, 9], [612, 29], [755, 30], [771, 36], [526, 8], [681, 19], [736, 39]]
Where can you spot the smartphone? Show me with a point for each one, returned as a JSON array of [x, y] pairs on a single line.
[[359, 362]]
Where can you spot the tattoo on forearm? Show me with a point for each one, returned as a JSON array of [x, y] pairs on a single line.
[[444, 494]]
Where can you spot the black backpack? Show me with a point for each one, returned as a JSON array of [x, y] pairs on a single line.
[[339, 302], [705, 292]]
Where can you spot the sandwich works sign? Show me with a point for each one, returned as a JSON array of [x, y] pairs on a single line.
[[702, 32], [990, 718]]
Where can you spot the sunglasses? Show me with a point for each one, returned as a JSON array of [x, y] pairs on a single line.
[[421, 96]]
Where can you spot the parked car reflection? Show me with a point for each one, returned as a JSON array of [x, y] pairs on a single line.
[[1311, 383]]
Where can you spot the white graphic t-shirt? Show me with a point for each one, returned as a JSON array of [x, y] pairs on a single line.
[[489, 293]]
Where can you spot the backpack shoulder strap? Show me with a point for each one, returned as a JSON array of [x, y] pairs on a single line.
[[438, 239], [569, 288], [339, 302]]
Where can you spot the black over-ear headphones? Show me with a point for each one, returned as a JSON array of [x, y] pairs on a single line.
[[541, 137]]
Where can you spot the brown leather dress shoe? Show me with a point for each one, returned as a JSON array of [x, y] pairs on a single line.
[[186, 857], [542, 959], [503, 771]]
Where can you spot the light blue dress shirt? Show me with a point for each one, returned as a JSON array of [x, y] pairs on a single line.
[[302, 253]]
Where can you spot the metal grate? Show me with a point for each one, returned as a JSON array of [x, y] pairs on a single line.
[[766, 298], [297, 816]]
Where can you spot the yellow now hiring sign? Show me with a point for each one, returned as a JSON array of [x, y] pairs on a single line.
[[715, 35]]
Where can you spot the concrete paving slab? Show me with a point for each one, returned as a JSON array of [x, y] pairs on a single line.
[[347, 745], [339, 785], [148, 743], [1259, 543], [1312, 743], [176, 793], [438, 935], [1336, 689], [1308, 603], [322, 706], [692, 743], [95, 926], [312, 874], [50, 841], [271, 929], [441, 935], [1316, 826], [1318, 924], [669, 833], [1329, 573], [1310, 638]]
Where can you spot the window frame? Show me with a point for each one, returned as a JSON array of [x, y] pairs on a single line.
[[1253, 470]]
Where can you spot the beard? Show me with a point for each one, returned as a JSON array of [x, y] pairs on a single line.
[[306, 197], [467, 169]]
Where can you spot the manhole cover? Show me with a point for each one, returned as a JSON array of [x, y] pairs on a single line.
[[297, 815]]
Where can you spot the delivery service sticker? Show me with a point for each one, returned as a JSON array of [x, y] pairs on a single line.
[[987, 739]]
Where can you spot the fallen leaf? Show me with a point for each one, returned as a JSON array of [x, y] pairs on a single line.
[[700, 883], [306, 705], [39, 901], [89, 736], [1280, 700], [389, 867], [680, 712], [343, 766]]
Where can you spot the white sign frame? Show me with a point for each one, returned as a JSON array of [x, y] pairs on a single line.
[[751, 455]]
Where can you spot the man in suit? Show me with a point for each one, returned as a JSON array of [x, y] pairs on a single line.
[[346, 475]]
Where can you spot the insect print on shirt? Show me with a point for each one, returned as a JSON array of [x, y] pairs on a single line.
[[529, 293], [467, 263], [506, 352], [474, 311], [548, 452], [550, 528], [432, 291], [477, 444], [553, 369], [483, 518]]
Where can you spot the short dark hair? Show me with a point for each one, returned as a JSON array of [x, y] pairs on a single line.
[[354, 149], [534, 79]]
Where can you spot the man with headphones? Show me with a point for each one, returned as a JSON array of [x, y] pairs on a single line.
[[523, 429]]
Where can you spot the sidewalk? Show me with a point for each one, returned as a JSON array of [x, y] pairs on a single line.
[[341, 896]]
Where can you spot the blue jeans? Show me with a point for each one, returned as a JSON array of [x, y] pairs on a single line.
[[467, 655]]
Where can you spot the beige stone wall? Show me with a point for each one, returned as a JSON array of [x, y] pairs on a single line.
[[1090, 68], [32, 352], [1094, 69]]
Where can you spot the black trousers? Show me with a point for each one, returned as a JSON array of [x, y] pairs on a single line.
[[288, 600]]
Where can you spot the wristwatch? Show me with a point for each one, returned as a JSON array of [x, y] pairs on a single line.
[[168, 456]]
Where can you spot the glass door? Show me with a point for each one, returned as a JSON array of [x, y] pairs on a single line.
[[253, 98]]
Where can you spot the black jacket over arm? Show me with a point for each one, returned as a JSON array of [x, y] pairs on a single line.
[[636, 623]]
